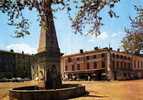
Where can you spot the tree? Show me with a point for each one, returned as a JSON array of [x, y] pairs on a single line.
[[87, 13], [133, 41]]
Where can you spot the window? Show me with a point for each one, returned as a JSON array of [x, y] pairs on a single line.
[[121, 57], [103, 64], [117, 56], [125, 57], [113, 64], [113, 55], [88, 65], [77, 58], [73, 68], [69, 59], [135, 64], [129, 65], [125, 65], [138, 64], [125, 74], [103, 55], [117, 65], [95, 65], [0, 60], [121, 65], [94, 56], [78, 66], [87, 57], [66, 68], [141, 64]]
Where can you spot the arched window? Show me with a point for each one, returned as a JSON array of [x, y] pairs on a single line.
[[121, 57], [117, 56], [113, 55]]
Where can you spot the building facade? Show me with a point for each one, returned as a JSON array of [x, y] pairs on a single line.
[[101, 64], [15, 64]]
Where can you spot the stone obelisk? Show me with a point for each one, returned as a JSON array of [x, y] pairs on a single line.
[[47, 69]]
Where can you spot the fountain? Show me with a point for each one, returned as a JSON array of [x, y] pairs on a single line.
[[46, 68]]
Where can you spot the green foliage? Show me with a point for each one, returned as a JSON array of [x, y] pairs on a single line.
[[87, 13]]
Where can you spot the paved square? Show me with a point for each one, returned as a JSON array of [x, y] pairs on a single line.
[[116, 90], [98, 90]]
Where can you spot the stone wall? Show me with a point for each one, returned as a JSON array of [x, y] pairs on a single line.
[[70, 91]]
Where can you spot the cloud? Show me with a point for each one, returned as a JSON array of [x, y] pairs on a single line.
[[2, 47], [22, 47], [103, 36], [114, 35]]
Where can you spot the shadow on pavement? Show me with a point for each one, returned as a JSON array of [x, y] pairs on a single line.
[[96, 96]]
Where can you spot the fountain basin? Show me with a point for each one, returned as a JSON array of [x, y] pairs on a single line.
[[33, 93]]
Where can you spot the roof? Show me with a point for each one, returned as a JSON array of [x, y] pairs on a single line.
[[87, 52], [12, 52], [102, 50]]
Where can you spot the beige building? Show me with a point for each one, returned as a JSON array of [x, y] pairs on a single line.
[[101, 64]]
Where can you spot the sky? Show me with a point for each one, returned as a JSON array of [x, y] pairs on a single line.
[[111, 33]]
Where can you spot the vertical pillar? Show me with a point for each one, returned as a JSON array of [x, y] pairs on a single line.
[[48, 56], [109, 70]]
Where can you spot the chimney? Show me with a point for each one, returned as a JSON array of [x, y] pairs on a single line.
[[95, 48], [81, 50], [22, 52], [110, 49], [11, 50], [62, 54], [106, 48], [118, 50]]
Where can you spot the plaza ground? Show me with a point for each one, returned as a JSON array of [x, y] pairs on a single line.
[[98, 90]]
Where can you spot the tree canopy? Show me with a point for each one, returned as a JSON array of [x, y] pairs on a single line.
[[88, 13], [133, 41]]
